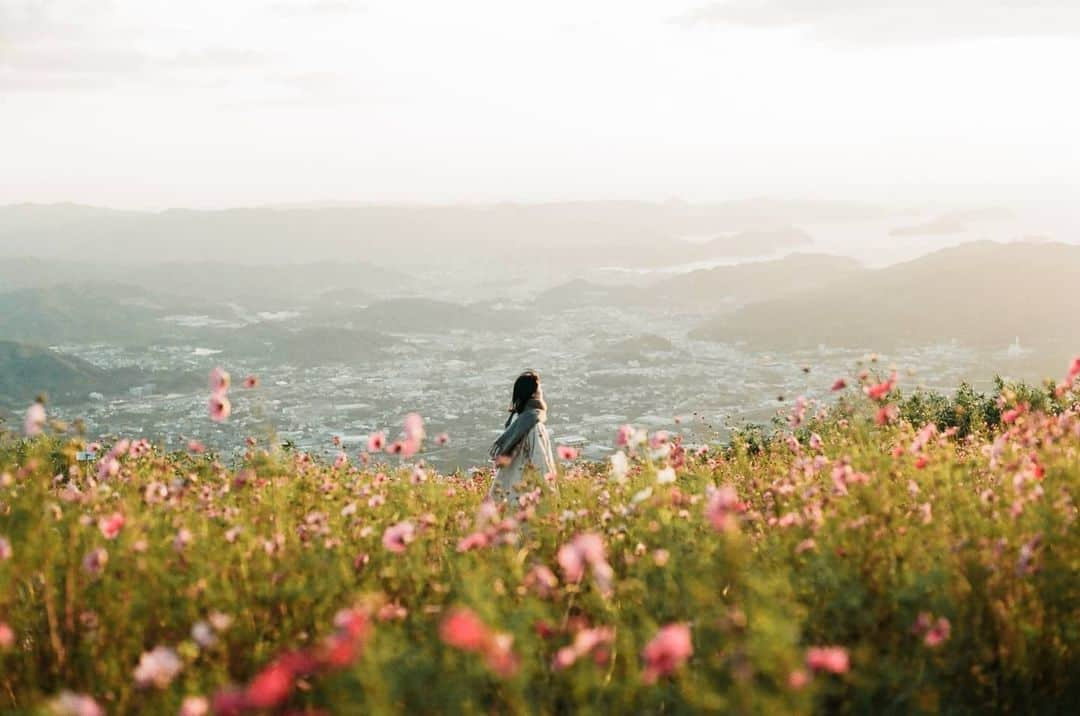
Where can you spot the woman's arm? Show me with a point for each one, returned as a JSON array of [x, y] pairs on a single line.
[[542, 457]]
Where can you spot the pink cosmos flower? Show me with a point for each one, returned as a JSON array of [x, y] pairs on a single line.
[[886, 414], [376, 442], [69, 703], [391, 612], [5, 549], [195, 447], [414, 435], [585, 642], [658, 439], [7, 636], [251, 381], [722, 507], [476, 540], [95, 560], [271, 686], [586, 550], [220, 407], [397, 537], [35, 420], [833, 659], [667, 652], [838, 385], [110, 526], [182, 539], [566, 452], [880, 390], [442, 439], [542, 581], [798, 679], [798, 412], [938, 634], [463, 629], [500, 657], [157, 668], [341, 460], [219, 380], [1011, 415], [195, 706], [107, 467], [625, 435], [1074, 370], [572, 563]]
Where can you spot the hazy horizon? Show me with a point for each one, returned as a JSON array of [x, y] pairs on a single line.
[[252, 103]]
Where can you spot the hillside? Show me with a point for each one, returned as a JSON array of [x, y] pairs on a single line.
[[275, 286], [26, 370], [95, 311], [982, 294], [751, 282], [925, 561], [709, 290]]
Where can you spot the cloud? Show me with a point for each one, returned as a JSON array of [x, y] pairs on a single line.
[[319, 7], [866, 22]]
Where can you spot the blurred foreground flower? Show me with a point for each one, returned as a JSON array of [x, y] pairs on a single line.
[[110, 526], [219, 380], [833, 659], [220, 407], [463, 629], [666, 653], [35, 420], [586, 550], [69, 703], [157, 668], [397, 537]]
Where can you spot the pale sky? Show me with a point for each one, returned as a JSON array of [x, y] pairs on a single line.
[[213, 103]]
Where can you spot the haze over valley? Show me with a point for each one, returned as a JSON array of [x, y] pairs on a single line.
[[693, 318]]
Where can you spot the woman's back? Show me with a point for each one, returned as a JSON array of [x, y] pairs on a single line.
[[525, 441]]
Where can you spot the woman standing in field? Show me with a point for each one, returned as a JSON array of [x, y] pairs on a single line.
[[525, 440]]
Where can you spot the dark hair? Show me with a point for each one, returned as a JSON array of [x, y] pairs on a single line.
[[524, 388]]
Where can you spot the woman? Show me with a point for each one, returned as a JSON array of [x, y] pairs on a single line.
[[525, 439]]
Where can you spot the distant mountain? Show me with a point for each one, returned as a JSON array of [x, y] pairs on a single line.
[[579, 293], [87, 312], [27, 370], [709, 290], [96, 312], [262, 287], [982, 294], [759, 242], [587, 233], [955, 222]]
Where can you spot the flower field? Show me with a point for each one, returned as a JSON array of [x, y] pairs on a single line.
[[881, 554]]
